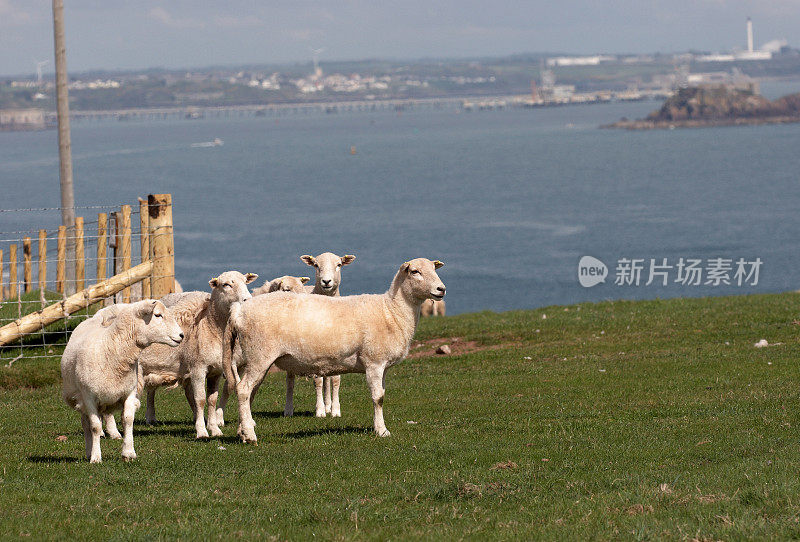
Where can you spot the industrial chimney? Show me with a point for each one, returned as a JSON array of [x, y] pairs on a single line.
[[749, 35]]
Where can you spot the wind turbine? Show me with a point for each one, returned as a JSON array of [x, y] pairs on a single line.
[[39, 65]]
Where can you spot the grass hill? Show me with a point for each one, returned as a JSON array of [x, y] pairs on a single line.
[[617, 420]]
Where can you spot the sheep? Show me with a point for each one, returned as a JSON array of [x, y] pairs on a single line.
[[197, 363], [285, 283], [433, 308], [304, 334], [99, 367], [328, 278]]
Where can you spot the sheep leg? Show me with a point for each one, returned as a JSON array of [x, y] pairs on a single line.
[[213, 393], [96, 427], [196, 395], [375, 383], [128, 413], [318, 383], [87, 434], [288, 409], [150, 413], [111, 426], [253, 376], [223, 400], [327, 382], [336, 410]]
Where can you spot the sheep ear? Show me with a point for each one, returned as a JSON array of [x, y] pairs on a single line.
[[437, 264], [348, 259], [404, 267], [250, 277], [310, 260], [109, 314], [214, 282], [303, 280], [146, 309], [274, 286]]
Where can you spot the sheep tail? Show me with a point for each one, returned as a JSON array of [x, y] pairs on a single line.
[[228, 345]]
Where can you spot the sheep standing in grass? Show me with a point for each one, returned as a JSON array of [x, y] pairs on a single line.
[[99, 367], [306, 334], [328, 267], [197, 363], [285, 283], [433, 308]]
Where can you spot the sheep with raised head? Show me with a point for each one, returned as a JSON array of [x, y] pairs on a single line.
[[328, 278], [306, 334], [433, 307], [197, 363], [99, 367]]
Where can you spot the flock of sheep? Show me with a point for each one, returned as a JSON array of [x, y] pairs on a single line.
[[192, 339]]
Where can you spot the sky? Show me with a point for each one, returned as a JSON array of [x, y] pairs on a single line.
[[125, 35]]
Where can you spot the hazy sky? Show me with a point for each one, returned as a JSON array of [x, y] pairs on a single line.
[[122, 34]]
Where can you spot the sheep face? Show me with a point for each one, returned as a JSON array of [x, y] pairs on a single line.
[[328, 267], [288, 284], [421, 281], [155, 324], [231, 286]]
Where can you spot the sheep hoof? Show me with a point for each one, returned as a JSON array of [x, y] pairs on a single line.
[[288, 413], [152, 421], [95, 460], [385, 433], [320, 414], [215, 432], [130, 456], [203, 435], [336, 413]]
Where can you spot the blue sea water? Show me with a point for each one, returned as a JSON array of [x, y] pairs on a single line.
[[510, 200]]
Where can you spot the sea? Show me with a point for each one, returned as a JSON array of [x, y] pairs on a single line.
[[512, 200]]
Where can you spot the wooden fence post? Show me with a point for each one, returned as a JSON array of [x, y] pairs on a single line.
[[80, 263], [12, 271], [161, 243], [27, 271], [1, 275], [61, 267], [117, 241], [126, 248], [102, 243], [144, 241], [42, 265]]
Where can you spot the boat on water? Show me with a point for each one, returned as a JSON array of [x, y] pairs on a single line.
[[216, 143]]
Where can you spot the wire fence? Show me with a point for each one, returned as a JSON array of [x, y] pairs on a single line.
[[52, 277]]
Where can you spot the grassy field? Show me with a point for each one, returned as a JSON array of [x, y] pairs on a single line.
[[624, 420]]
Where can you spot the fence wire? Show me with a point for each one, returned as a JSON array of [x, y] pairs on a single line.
[[38, 269]]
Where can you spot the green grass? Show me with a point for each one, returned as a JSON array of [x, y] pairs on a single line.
[[632, 420]]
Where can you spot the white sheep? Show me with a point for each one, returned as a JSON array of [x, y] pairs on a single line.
[[328, 278], [197, 363], [433, 307], [306, 334], [286, 283], [99, 367]]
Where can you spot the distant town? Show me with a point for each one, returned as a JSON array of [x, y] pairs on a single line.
[[526, 80]]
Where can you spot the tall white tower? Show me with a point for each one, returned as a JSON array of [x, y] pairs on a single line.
[[749, 35]]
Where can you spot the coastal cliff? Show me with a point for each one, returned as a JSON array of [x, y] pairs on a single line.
[[716, 106]]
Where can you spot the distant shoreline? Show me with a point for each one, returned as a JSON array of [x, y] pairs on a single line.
[[699, 123]]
